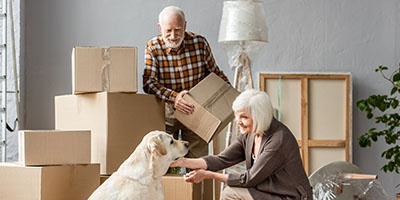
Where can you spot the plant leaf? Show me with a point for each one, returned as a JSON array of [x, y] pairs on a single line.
[[396, 77], [361, 105], [394, 90]]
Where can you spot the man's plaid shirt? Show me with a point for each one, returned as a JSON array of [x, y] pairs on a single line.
[[168, 72]]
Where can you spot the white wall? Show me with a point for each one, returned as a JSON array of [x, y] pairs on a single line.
[[305, 36]]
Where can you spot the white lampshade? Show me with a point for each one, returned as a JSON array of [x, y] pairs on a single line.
[[242, 21]]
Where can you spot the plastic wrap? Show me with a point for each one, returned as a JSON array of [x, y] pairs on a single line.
[[371, 191], [242, 21], [339, 186], [250, 48]]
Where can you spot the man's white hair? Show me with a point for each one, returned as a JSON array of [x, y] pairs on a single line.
[[169, 11], [258, 104]]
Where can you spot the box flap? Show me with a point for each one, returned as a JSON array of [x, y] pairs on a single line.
[[207, 88], [202, 122], [216, 96], [213, 99]]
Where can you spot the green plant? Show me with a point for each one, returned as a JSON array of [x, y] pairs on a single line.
[[384, 110]]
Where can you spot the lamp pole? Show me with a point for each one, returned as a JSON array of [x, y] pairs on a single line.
[[242, 25]]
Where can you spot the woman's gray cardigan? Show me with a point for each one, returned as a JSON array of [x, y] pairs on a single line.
[[278, 172]]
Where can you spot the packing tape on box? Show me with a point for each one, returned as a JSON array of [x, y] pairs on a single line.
[[221, 91], [105, 69]]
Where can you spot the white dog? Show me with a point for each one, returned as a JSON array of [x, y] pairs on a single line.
[[139, 177]]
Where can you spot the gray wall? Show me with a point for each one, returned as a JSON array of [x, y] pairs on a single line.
[[305, 36]]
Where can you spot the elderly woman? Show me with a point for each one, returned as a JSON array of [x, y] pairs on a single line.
[[273, 165]]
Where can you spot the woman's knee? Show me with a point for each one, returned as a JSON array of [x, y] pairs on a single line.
[[227, 193], [234, 193]]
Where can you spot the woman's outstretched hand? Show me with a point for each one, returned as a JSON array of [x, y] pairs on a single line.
[[178, 163], [195, 176]]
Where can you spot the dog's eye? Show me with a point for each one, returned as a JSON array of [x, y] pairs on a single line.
[[172, 141]]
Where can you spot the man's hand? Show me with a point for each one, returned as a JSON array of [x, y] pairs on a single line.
[[182, 105]]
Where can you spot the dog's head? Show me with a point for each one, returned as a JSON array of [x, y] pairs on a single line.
[[162, 145]]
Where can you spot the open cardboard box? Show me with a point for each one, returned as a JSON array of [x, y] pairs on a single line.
[[212, 99]]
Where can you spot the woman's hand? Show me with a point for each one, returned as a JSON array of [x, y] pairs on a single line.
[[178, 163], [195, 176], [199, 175], [192, 163]]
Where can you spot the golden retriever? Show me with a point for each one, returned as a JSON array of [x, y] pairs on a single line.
[[139, 177]]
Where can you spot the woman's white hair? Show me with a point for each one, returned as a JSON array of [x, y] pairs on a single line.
[[258, 104], [169, 11]]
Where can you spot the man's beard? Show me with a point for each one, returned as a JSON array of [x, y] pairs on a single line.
[[172, 45]]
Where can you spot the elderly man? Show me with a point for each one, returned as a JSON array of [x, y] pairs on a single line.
[[175, 61]]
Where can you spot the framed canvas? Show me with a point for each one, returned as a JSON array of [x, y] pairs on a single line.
[[317, 109]]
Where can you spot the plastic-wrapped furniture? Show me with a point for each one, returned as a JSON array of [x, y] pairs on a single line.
[[344, 180]]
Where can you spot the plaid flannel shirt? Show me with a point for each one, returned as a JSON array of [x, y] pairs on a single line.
[[168, 72]]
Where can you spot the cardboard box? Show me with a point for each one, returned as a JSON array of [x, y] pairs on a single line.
[[118, 122], [175, 188], [52, 147], [63, 182], [212, 99], [96, 69], [103, 178]]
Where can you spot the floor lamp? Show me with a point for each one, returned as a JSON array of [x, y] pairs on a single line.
[[242, 29]]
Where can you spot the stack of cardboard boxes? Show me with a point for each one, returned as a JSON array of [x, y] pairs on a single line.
[[104, 100], [57, 164], [52, 165]]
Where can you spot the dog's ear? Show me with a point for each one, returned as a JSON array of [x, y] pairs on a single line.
[[156, 146]]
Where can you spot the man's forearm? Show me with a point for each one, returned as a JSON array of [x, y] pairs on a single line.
[[152, 86]]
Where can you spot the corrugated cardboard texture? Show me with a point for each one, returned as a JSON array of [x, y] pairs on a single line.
[[118, 122], [215, 97], [54, 147], [202, 122], [48, 183], [175, 188], [93, 67]]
